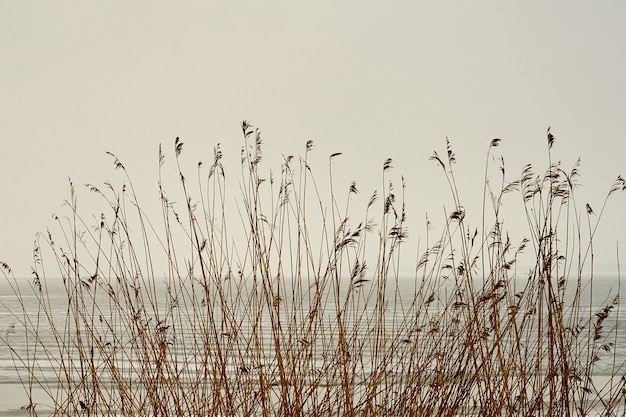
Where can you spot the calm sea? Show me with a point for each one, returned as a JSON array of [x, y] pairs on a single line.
[[11, 315]]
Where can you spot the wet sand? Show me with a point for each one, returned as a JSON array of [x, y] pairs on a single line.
[[13, 397]]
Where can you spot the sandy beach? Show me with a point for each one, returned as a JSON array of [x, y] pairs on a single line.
[[13, 397]]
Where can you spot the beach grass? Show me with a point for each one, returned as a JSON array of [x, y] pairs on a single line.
[[274, 298]]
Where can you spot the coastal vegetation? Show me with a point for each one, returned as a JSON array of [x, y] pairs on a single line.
[[274, 298]]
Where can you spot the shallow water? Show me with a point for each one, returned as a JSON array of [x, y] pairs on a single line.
[[13, 396]]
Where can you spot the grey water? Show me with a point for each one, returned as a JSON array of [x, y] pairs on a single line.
[[14, 311]]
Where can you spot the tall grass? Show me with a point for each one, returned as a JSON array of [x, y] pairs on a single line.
[[292, 304]]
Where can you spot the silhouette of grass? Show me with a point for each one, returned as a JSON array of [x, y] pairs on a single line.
[[304, 312]]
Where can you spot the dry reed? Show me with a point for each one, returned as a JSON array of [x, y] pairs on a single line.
[[304, 313]]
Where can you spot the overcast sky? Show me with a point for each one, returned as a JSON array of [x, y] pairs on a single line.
[[369, 79]]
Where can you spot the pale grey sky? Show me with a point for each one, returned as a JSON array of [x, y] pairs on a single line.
[[369, 79]]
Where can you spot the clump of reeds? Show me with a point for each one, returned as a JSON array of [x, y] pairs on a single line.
[[303, 312]]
